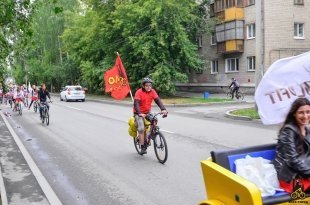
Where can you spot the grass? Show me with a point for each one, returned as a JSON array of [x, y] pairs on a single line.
[[186, 100], [247, 112], [170, 100]]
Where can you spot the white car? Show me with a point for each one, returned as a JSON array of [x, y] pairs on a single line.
[[72, 93]]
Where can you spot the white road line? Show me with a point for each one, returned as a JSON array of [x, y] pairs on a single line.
[[47, 189], [167, 131], [74, 108], [4, 198]]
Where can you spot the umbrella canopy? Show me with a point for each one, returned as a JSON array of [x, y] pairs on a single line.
[[286, 80]]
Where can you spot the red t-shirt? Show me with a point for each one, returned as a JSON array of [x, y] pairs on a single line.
[[146, 99]]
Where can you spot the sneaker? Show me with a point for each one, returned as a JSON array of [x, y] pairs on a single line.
[[143, 150]]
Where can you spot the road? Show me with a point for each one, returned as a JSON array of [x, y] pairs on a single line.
[[88, 158]]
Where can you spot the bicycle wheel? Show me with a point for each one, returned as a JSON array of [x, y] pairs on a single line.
[[47, 117], [43, 116], [160, 147], [35, 106], [241, 96], [229, 95], [137, 145], [20, 109]]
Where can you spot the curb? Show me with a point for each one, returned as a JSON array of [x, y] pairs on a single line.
[[4, 198], [45, 186], [236, 117], [126, 103]]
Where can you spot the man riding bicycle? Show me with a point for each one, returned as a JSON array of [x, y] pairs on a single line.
[[234, 86], [142, 106], [42, 96]]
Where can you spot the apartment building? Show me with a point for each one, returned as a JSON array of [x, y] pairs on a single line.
[[231, 50]]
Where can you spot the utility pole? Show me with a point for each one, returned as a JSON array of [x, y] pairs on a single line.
[[260, 41]]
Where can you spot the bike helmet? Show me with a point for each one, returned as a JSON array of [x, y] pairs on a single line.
[[146, 80]]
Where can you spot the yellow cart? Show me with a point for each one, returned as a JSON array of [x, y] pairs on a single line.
[[224, 187]]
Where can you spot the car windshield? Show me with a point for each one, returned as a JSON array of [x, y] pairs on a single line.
[[75, 88]]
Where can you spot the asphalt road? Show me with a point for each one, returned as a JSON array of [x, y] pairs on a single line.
[[88, 157]]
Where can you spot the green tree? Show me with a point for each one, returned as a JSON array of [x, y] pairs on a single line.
[[14, 21], [154, 38], [42, 58]]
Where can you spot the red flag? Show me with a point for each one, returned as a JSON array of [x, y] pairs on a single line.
[[116, 80]]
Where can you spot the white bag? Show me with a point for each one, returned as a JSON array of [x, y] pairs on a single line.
[[260, 172]]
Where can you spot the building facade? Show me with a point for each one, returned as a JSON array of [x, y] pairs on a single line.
[[231, 50]]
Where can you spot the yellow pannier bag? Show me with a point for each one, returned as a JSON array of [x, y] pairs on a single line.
[[132, 130]]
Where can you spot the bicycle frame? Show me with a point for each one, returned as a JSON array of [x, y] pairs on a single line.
[[154, 128]]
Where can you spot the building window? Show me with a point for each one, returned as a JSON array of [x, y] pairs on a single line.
[[250, 2], [230, 3], [298, 2], [251, 63], [299, 30], [212, 13], [199, 41], [251, 31], [214, 66], [231, 65], [213, 39]]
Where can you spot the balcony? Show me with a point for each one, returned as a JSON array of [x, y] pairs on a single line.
[[230, 14], [231, 46], [230, 36], [234, 13]]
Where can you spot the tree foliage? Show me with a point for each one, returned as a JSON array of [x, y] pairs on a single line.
[[155, 38], [14, 21], [75, 41]]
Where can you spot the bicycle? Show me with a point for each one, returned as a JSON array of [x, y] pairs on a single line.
[[159, 141], [45, 117], [18, 106], [239, 95], [35, 105]]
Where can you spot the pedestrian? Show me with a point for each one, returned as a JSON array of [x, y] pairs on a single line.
[[234, 87], [292, 161]]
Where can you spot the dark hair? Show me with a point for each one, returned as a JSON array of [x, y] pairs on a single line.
[[290, 118]]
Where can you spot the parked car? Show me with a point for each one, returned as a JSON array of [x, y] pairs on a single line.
[[72, 93]]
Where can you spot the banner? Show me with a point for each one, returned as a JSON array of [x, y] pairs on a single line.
[[286, 80], [116, 80]]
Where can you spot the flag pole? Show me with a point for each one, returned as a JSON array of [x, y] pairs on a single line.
[[128, 83]]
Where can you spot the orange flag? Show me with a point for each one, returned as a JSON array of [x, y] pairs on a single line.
[[116, 80]]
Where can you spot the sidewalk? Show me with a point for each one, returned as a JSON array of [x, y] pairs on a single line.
[[247, 98], [21, 182], [21, 187]]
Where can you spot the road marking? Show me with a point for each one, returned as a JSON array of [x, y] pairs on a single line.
[[46, 188], [4, 198], [167, 131], [74, 108]]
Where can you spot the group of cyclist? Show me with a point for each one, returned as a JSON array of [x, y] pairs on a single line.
[[21, 94]]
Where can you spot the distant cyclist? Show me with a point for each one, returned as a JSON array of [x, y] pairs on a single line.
[[142, 106], [234, 86], [18, 96], [43, 94], [33, 95]]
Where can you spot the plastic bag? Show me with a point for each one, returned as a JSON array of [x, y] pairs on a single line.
[[260, 172]]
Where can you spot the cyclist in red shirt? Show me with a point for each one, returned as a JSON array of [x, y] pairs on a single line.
[[142, 106]]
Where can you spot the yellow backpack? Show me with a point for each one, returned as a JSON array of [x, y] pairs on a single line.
[[132, 129]]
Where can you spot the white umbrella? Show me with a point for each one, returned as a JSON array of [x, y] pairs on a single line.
[[284, 81]]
